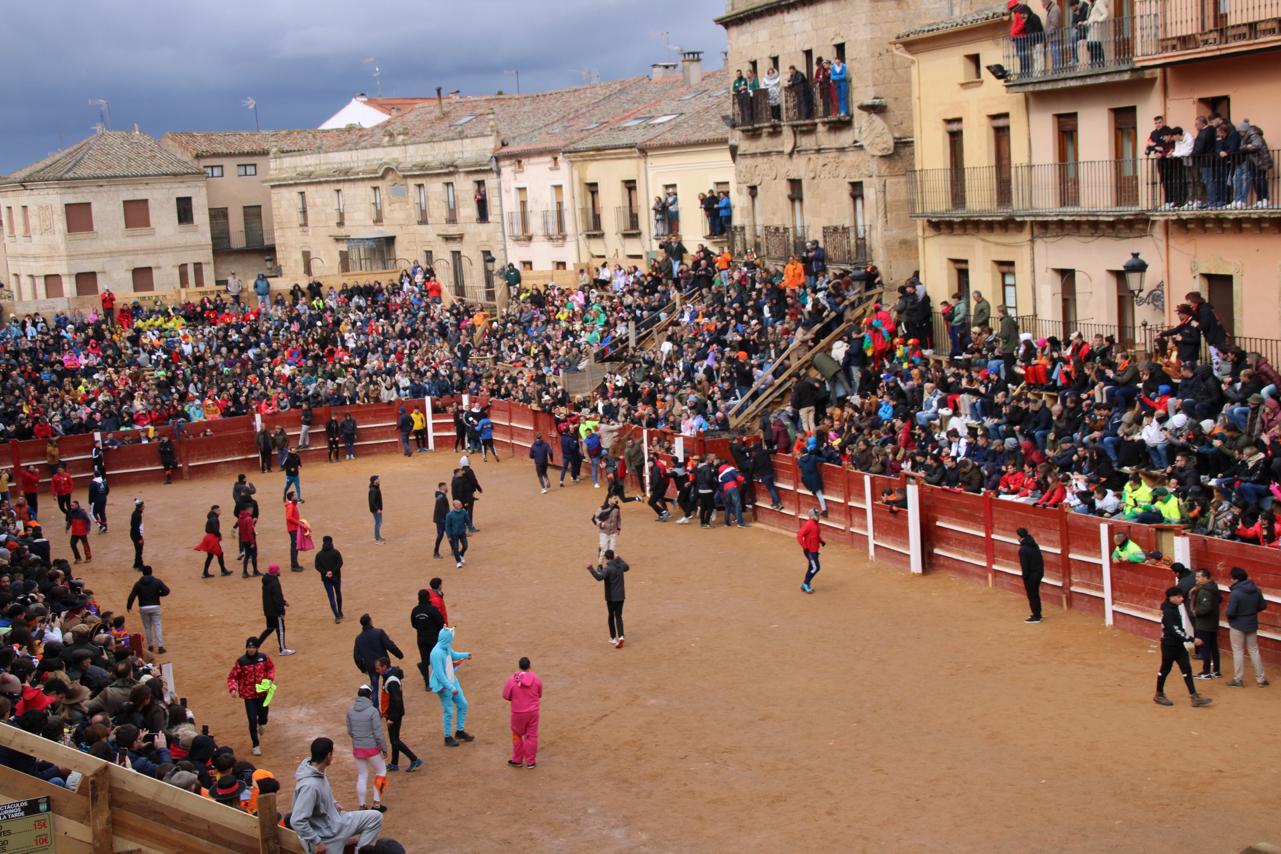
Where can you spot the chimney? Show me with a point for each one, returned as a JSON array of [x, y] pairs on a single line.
[[692, 66], [136, 130], [360, 96], [440, 102], [663, 71]]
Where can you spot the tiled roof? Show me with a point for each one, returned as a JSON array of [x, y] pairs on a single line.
[[110, 154], [394, 106], [220, 143], [679, 114], [985, 15]]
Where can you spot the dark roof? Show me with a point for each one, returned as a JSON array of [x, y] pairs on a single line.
[[110, 154], [226, 143], [986, 15]]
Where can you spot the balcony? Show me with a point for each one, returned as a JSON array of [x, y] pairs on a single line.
[[1050, 60], [376, 214], [1179, 30], [844, 244], [591, 221], [628, 220], [805, 103], [1114, 187], [553, 223], [240, 240], [451, 216], [518, 225]]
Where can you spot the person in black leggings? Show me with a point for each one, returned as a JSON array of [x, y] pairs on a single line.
[[251, 670], [1173, 651], [395, 714], [611, 572]]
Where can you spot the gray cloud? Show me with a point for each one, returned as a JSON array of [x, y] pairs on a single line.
[[188, 66]]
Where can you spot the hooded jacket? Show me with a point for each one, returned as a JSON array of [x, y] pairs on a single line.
[[315, 815], [1245, 601], [247, 672], [392, 702], [427, 621], [1205, 607], [329, 559], [524, 690], [273, 597], [443, 677], [365, 725], [1031, 561], [1172, 631], [612, 574]]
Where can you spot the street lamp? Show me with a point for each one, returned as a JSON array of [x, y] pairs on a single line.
[[1135, 270]]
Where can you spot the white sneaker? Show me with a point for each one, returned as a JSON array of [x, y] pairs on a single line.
[[1261, 203], [684, 520], [596, 486], [288, 651], [458, 565], [544, 492], [256, 751], [613, 641]]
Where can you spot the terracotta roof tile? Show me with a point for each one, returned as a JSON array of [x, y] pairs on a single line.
[[218, 143], [984, 15], [110, 154]]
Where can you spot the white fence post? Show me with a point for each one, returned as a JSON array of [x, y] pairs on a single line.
[[916, 558], [645, 449], [431, 427], [871, 526], [1183, 551], [1105, 553]]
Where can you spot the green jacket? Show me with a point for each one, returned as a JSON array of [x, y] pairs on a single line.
[[1129, 552]]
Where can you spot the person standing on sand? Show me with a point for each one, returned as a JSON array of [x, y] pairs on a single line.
[[1032, 564], [612, 574], [609, 521], [439, 512], [810, 537], [456, 529], [427, 621], [329, 565], [248, 536], [524, 690], [211, 544], [372, 644], [376, 507], [1173, 651], [468, 491], [392, 705], [368, 747], [444, 681], [273, 608], [292, 517], [541, 453]]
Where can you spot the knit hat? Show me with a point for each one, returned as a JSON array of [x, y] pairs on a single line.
[[252, 640], [274, 569]]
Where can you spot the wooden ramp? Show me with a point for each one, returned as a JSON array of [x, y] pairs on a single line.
[[118, 810], [800, 355]]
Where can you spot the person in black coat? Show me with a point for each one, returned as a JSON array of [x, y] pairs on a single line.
[[611, 572], [427, 622], [395, 714], [1206, 600], [1033, 565], [465, 487], [273, 608], [329, 565], [372, 644], [1173, 651], [438, 515], [135, 533]]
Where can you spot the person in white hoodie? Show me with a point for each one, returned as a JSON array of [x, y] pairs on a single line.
[[315, 817], [365, 726]]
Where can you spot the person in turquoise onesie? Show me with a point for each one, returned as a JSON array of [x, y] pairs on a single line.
[[444, 681]]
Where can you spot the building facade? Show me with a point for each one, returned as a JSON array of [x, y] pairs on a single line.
[[115, 211], [807, 170], [965, 122]]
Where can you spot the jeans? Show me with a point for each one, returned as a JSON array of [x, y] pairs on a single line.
[[1256, 493], [1109, 448], [1160, 455], [1032, 586], [768, 480], [595, 470], [440, 536], [281, 455], [294, 481], [1241, 184], [1239, 415], [843, 97], [733, 507], [151, 625], [1209, 650], [458, 546], [615, 610], [451, 704], [1213, 198], [812, 566], [333, 589], [304, 436], [404, 445], [256, 713], [1243, 642], [378, 524]]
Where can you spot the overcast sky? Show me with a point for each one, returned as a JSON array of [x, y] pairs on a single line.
[[169, 67]]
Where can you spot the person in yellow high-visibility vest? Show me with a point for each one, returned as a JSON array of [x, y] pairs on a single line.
[[1127, 550]]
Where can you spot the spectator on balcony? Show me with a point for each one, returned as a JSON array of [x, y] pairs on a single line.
[[1203, 162], [659, 211], [1027, 32], [707, 202], [742, 98], [1226, 149], [1054, 34], [958, 324], [814, 262], [1181, 165], [1080, 13], [672, 210], [1096, 31], [773, 86], [798, 88], [482, 204], [1256, 160], [823, 86], [1161, 149], [724, 212], [840, 76]]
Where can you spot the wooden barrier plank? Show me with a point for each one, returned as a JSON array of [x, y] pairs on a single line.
[[73, 806]]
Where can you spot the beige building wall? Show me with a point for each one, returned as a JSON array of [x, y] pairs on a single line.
[[608, 170], [50, 257], [396, 172], [548, 237], [692, 169], [245, 252], [829, 161]]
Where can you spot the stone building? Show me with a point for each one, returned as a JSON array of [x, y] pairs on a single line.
[[236, 166], [115, 211], [812, 173]]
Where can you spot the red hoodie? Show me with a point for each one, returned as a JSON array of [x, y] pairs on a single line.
[[438, 602], [810, 536]]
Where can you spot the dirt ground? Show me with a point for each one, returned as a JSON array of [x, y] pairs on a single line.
[[885, 712]]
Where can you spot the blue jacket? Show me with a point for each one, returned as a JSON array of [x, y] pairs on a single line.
[[486, 429], [723, 207], [540, 452], [1244, 604], [811, 475], [569, 447], [456, 523], [443, 655], [262, 287], [592, 442]]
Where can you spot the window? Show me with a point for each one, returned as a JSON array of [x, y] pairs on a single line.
[[464, 120], [306, 262], [691, 95], [198, 273], [960, 278], [555, 161], [481, 198], [420, 191], [219, 228], [839, 50], [639, 120], [79, 218], [1125, 154], [86, 284], [1001, 159], [246, 170], [1067, 297], [519, 165], [560, 265], [339, 208], [302, 208], [456, 263], [1009, 292], [1220, 291], [1069, 182], [1220, 104], [558, 209], [52, 286], [344, 261], [756, 72], [809, 63], [591, 216], [796, 195], [143, 279], [773, 61], [451, 204], [8, 215], [1124, 308], [659, 120], [629, 214], [956, 161], [213, 171], [183, 280], [972, 69], [26, 221], [186, 213], [377, 203], [429, 258], [522, 212], [253, 225], [137, 213], [858, 216], [527, 266]]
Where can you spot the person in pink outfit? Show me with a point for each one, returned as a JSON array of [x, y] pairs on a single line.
[[524, 690]]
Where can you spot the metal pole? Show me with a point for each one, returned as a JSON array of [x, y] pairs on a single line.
[[645, 448]]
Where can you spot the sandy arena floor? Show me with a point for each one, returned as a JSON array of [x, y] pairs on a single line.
[[886, 712]]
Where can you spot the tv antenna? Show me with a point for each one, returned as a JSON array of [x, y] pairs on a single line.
[[588, 75], [378, 74], [251, 104], [104, 112]]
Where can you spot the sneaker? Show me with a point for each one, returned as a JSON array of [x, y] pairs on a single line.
[[805, 588], [512, 763], [436, 557], [391, 766], [594, 485], [227, 572], [1204, 676], [463, 735], [1198, 700], [450, 741], [742, 524], [532, 765], [161, 650], [613, 641], [1162, 700], [1263, 683], [458, 565], [544, 492], [619, 645], [288, 651], [705, 526], [1235, 683], [667, 514], [256, 751], [414, 766], [1032, 620], [1217, 675], [684, 520]]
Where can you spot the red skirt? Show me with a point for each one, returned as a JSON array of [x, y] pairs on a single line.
[[210, 544]]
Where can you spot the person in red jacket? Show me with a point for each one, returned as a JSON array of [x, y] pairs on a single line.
[[810, 536], [62, 486], [249, 671], [108, 306], [436, 595], [30, 480], [1055, 492], [78, 522], [291, 526]]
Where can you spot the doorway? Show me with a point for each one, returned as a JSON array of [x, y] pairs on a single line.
[[1069, 183], [1220, 292], [1125, 150]]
